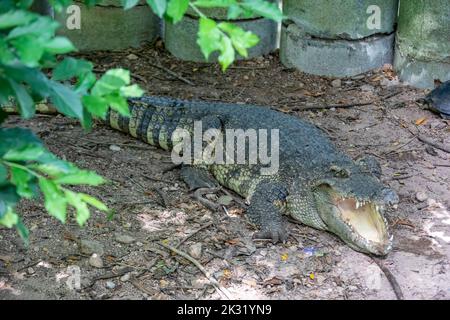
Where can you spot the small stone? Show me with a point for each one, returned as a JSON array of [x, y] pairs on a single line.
[[124, 239], [110, 285], [30, 270], [199, 283], [437, 124], [336, 83], [96, 261], [36, 249], [421, 196], [114, 147], [320, 279], [132, 56], [89, 247], [367, 88], [125, 277], [195, 251]]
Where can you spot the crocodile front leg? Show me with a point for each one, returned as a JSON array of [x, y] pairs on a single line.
[[265, 210]]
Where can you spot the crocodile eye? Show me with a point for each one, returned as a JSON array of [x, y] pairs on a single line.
[[339, 172]]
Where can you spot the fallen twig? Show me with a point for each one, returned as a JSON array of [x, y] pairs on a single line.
[[441, 165], [156, 179], [336, 106], [108, 276], [391, 278], [433, 144], [193, 233], [223, 292], [403, 177], [172, 73]]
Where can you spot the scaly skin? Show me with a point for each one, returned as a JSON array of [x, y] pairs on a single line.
[[316, 184]]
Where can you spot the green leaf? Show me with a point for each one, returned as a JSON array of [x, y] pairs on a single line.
[[66, 100], [3, 174], [119, 104], [8, 195], [10, 219], [158, 6], [59, 45], [94, 202], [3, 115], [266, 9], [22, 231], [55, 200], [80, 177], [111, 81], [242, 40], [80, 206], [97, 106], [234, 11], [26, 153], [38, 82], [131, 91], [208, 36], [214, 3], [26, 103], [226, 56], [3, 208], [85, 83], [16, 138], [21, 179], [176, 9], [15, 18], [6, 56], [29, 49], [43, 27], [128, 4], [71, 67]]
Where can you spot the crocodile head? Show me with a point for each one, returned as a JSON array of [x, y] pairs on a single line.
[[350, 205]]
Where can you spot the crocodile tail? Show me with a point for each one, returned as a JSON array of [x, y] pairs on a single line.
[[152, 123]]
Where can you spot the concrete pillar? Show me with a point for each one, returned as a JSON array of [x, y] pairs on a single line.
[[338, 38], [108, 26], [423, 42], [181, 39]]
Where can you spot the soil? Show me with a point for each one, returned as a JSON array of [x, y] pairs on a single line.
[[153, 205]]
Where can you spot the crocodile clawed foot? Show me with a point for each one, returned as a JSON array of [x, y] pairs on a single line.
[[198, 195], [276, 235]]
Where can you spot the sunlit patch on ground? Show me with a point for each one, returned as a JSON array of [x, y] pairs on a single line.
[[440, 220]]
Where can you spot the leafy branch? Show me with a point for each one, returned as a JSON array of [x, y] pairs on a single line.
[[31, 71]]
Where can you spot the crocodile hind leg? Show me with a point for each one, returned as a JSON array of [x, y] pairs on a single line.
[[265, 210], [198, 178]]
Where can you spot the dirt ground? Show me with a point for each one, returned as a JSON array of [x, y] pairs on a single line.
[[152, 204]]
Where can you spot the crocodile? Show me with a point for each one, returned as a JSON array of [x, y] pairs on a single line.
[[315, 184]]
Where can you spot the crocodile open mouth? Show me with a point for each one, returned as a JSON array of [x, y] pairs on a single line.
[[359, 223], [364, 218]]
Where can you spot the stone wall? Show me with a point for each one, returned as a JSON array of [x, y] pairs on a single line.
[[108, 26], [423, 42], [338, 38]]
